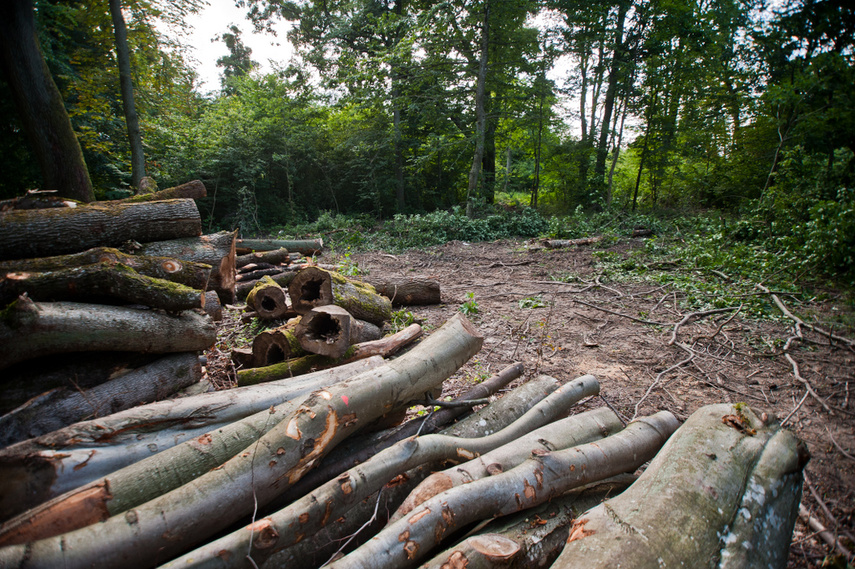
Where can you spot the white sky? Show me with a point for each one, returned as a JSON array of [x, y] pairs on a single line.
[[213, 21]]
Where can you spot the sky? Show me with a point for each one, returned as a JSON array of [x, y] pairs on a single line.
[[213, 21]]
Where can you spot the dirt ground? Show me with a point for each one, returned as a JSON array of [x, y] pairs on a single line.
[[594, 325]]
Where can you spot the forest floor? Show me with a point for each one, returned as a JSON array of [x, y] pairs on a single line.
[[561, 314]]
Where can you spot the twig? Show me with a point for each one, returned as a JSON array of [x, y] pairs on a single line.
[[633, 318], [826, 535], [796, 408], [799, 322], [807, 383], [840, 448], [663, 372], [428, 402], [362, 527], [692, 315], [826, 511], [621, 417]]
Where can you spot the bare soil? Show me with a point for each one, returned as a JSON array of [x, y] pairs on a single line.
[[593, 325]]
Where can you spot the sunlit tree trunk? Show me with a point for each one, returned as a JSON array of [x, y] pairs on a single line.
[[480, 112]]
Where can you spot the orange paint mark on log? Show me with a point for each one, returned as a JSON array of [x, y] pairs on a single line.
[[457, 560], [418, 516], [578, 531]]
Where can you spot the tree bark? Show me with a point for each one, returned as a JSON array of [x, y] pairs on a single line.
[[168, 525], [269, 300], [729, 487], [303, 246], [193, 190], [275, 257], [40, 105], [535, 481], [212, 306], [257, 275], [275, 346], [330, 330], [59, 408], [313, 511], [313, 287], [480, 112], [282, 278], [408, 292], [38, 233], [102, 283], [30, 330], [40, 469], [217, 250]]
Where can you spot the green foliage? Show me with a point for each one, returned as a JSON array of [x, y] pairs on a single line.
[[469, 306], [401, 319], [531, 302]]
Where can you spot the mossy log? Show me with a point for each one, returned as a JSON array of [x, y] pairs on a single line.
[[179, 520], [724, 492], [29, 329], [303, 246], [216, 249], [330, 330], [100, 283], [194, 275], [275, 346], [269, 300], [275, 257], [43, 232], [314, 287], [191, 190], [282, 278], [59, 408], [408, 292]]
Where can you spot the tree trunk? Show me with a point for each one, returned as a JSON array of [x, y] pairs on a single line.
[[275, 346], [269, 300], [195, 190], [101, 283], [408, 292], [535, 481], [615, 75], [302, 246], [32, 330], [59, 408], [330, 330], [729, 487], [217, 250], [480, 112], [40, 106], [142, 441], [274, 257], [168, 525], [313, 511], [38, 233], [313, 287]]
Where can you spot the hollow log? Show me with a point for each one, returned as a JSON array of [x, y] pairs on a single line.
[[282, 278], [303, 246], [314, 287], [170, 524], [309, 514], [330, 330], [216, 249], [59, 408], [275, 346], [37, 329], [242, 357], [725, 490], [100, 283], [274, 257], [408, 292], [268, 300], [43, 232], [192, 190], [535, 481], [40, 469], [193, 275]]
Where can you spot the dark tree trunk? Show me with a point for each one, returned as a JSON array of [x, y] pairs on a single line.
[[611, 91]]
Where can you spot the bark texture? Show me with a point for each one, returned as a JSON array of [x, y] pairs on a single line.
[[302, 246], [408, 292], [191, 190], [313, 287], [274, 257], [330, 330], [275, 346], [268, 300], [282, 278]]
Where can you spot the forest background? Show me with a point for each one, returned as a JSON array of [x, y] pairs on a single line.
[[441, 120]]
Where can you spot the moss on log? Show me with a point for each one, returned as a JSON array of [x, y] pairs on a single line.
[[268, 300], [303, 246], [330, 330], [276, 346], [191, 190], [314, 287]]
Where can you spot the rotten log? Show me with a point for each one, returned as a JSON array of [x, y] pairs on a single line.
[[314, 287], [282, 278], [193, 275], [274, 257], [191, 190], [59, 408], [297, 366], [535, 481], [330, 330], [725, 489], [100, 283], [209, 427], [39, 233], [307, 247], [217, 250], [408, 292], [275, 346], [37, 329], [560, 243], [309, 514], [195, 511], [268, 300]]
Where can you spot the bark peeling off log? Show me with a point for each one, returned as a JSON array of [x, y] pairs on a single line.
[[730, 499]]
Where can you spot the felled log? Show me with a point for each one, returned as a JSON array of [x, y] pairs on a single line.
[[30, 329], [145, 480], [330, 330], [282, 278], [274, 257], [726, 488], [408, 292], [192, 190], [303, 246], [40, 469], [100, 283], [290, 368], [314, 287], [275, 346], [560, 243], [195, 511], [39, 233], [59, 408], [212, 306], [194, 275], [37, 199], [259, 273], [535, 481], [309, 514], [217, 250], [269, 300]]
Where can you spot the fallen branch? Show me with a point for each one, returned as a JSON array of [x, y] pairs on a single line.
[[801, 323], [692, 315]]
